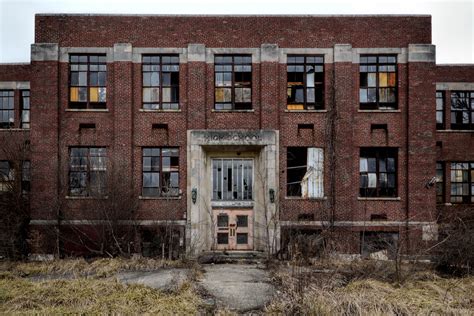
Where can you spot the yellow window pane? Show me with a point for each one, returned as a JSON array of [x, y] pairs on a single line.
[[74, 94], [223, 95], [392, 79], [94, 94], [295, 107], [383, 79]]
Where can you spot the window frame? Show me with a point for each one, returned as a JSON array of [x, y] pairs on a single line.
[[10, 111], [469, 183], [25, 107], [88, 190], [161, 178], [305, 63], [173, 106], [246, 106], [440, 95], [378, 153], [440, 182], [6, 179], [378, 105], [470, 110], [88, 104], [249, 193]]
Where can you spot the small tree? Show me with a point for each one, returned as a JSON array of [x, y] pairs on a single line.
[[14, 187]]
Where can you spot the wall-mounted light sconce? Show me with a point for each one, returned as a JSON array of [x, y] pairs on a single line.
[[194, 193], [272, 195]]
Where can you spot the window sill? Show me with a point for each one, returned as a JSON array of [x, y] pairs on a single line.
[[159, 197], [14, 129], [227, 111], [87, 110], [379, 111], [306, 111], [306, 199], [79, 197], [159, 111], [455, 131], [444, 204], [378, 198]]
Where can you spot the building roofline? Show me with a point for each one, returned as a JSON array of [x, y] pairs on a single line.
[[237, 15], [15, 64], [454, 65]]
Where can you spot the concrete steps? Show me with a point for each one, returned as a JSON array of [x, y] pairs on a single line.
[[249, 257]]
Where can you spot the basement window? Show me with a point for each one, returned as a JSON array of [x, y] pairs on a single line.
[[87, 81], [378, 172], [379, 245], [160, 172], [462, 110], [305, 82], [160, 82], [378, 82], [305, 172], [6, 175], [462, 182], [233, 82]]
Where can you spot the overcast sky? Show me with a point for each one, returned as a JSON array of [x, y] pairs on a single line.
[[453, 26]]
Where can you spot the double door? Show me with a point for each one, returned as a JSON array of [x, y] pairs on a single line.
[[234, 229]]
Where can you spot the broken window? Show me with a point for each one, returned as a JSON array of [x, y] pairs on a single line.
[[87, 171], [7, 112], [439, 182], [232, 179], [379, 245], [378, 172], [25, 109], [462, 110], [160, 82], [6, 175], [160, 172], [462, 182], [305, 82], [439, 110], [26, 176], [305, 172], [233, 82], [378, 82], [87, 81]]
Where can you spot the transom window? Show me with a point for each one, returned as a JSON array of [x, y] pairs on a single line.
[[25, 109], [462, 182], [439, 110], [160, 172], [88, 81], [87, 171], [7, 112], [160, 82], [378, 172], [462, 110], [233, 82], [305, 82], [378, 82], [232, 179]]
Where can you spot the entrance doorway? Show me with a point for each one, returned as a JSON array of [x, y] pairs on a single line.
[[233, 229]]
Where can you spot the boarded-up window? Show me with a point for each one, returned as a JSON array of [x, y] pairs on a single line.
[[305, 172]]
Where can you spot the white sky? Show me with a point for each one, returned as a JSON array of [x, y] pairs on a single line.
[[452, 21]]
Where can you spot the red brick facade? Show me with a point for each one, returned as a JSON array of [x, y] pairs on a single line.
[[125, 128]]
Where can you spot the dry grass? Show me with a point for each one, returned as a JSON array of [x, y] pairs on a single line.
[[80, 267], [353, 290], [91, 296]]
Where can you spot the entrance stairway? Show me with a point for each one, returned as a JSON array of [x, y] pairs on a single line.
[[248, 257]]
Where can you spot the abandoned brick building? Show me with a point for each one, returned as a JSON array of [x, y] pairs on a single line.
[[233, 131]]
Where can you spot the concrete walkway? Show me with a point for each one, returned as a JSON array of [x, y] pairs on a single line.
[[166, 279], [238, 287]]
